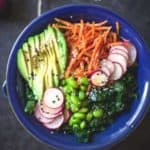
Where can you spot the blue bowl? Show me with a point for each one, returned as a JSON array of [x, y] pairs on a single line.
[[125, 123]]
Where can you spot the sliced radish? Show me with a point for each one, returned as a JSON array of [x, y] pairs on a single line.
[[53, 98], [40, 117], [106, 70], [99, 78], [124, 39], [119, 47], [66, 115], [58, 121], [47, 114], [118, 72], [51, 110], [119, 59], [132, 52], [107, 63], [118, 51]]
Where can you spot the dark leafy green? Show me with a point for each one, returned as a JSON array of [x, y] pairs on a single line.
[[113, 99], [30, 100]]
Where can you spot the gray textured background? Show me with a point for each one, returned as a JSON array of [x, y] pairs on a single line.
[[12, 135]]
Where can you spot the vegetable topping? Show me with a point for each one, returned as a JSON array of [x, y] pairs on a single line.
[[78, 76]]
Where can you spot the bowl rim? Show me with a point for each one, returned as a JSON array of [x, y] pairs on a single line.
[[129, 127]]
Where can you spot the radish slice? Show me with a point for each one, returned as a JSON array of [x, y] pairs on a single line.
[[53, 98], [66, 115], [120, 47], [125, 40], [119, 59], [107, 63], [47, 114], [118, 51], [58, 121], [106, 70], [40, 117], [99, 78], [132, 52], [118, 72], [51, 110]]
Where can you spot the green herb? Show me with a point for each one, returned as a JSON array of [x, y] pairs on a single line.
[[103, 105], [30, 100]]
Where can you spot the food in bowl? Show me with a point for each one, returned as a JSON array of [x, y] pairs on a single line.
[[78, 76]]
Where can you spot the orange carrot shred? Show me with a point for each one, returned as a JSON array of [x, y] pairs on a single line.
[[88, 43]]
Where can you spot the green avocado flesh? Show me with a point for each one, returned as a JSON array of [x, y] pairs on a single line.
[[42, 59]]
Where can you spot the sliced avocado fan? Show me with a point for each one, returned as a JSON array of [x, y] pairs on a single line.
[[42, 60]]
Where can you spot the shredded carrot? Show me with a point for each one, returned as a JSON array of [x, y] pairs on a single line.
[[88, 44], [63, 22]]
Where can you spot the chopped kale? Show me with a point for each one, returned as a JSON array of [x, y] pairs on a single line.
[[30, 100], [114, 99]]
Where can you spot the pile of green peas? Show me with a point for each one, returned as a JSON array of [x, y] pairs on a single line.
[[76, 101], [75, 93]]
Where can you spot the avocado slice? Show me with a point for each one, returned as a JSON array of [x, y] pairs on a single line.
[[59, 44], [21, 64], [25, 50], [62, 49], [33, 54], [38, 78], [51, 53], [50, 67], [54, 45], [54, 66], [48, 74]]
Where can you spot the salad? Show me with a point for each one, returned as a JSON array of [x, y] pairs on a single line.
[[78, 76]]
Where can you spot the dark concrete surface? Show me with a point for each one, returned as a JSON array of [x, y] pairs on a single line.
[[12, 134]]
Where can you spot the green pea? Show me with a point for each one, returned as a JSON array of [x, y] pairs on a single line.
[[82, 88], [89, 116], [82, 95], [72, 82], [82, 124], [84, 81], [68, 97], [79, 115], [75, 126], [73, 121], [70, 121], [74, 99], [67, 89], [83, 110], [74, 108], [97, 113]]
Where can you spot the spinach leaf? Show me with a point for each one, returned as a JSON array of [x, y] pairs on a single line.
[[30, 100]]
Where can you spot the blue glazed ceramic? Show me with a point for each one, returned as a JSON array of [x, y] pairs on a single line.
[[125, 123]]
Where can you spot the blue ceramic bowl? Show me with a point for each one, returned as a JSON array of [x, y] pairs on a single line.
[[125, 123]]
